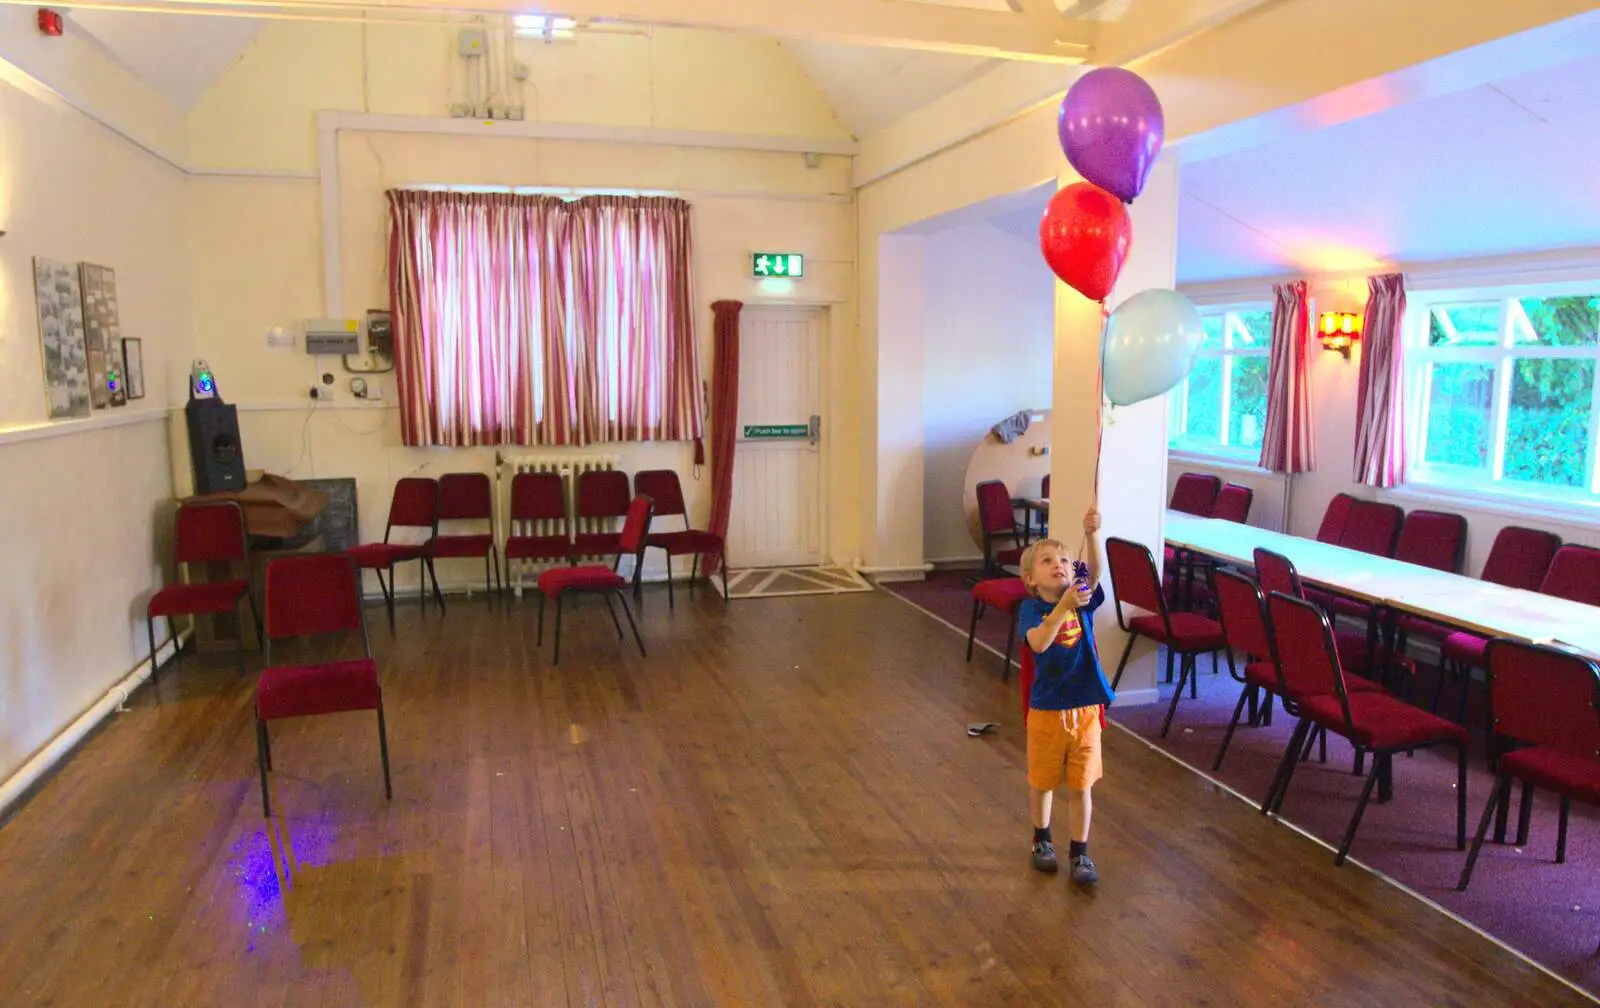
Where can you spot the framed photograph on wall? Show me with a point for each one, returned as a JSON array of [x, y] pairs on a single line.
[[102, 330], [133, 367], [61, 340]]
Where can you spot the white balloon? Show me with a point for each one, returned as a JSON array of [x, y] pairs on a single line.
[[1150, 344]]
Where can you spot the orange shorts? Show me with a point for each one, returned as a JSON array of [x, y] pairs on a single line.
[[1064, 745]]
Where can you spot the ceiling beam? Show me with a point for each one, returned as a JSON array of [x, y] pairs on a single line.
[[893, 23], [1148, 27]]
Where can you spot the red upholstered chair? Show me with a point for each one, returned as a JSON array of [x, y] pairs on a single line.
[[1574, 573], [1195, 493], [1436, 539], [1242, 613], [1544, 706], [1005, 594], [1233, 503], [468, 497], [310, 595], [1311, 677], [602, 494], [666, 494], [1358, 652], [1334, 518], [997, 520], [203, 533], [537, 497], [1370, 527], [557, 582], [1134, 582], [415, 505]]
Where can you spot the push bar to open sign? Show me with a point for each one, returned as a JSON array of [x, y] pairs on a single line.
[[763, 431]]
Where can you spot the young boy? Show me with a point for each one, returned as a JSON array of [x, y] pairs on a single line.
[[1069, 692]]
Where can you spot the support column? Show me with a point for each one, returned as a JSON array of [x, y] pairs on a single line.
[[894, 547], [1133, 467]]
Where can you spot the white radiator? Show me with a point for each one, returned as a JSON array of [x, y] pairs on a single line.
[[568, 467]]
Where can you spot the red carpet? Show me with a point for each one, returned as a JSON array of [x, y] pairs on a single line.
[[1549, 912]]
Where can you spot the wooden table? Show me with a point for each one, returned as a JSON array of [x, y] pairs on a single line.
[[277, 514], [1453, 599]]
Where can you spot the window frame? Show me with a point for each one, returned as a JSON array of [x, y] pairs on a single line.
[[1491, 484], [1178, 400]]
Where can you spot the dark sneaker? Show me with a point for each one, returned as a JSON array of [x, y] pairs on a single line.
[[1044, 856], [1083, 871]]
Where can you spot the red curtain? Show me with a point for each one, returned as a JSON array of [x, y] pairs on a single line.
[[1287, 445], [1380, 456], [724, 416], [535, 320]]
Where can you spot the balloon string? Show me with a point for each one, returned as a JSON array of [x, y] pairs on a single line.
[[1099, 417]]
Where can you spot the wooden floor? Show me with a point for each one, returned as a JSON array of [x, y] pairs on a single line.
[[780, 806]]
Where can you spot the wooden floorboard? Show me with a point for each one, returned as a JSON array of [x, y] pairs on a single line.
[[779, 806]]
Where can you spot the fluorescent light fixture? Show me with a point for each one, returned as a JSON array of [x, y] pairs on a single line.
[[544, 26]]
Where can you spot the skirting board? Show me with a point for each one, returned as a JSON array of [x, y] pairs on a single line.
[[1136, 697], [20, 784]]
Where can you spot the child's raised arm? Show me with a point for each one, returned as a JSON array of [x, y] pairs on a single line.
[[1091, 549]]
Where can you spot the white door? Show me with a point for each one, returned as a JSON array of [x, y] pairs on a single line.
[[777, 471]]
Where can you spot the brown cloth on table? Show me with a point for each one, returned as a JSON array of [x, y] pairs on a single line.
[[274, 507], [1012, 427]]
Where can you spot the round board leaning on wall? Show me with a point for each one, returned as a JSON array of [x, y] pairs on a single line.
[[1015, 464]]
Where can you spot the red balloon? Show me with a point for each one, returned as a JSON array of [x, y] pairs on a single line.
[[1085, 236]]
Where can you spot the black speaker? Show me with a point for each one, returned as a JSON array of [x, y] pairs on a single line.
[[214, 446]]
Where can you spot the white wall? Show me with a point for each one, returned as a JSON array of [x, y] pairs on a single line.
[[258, 239], [85, 504], [987, 330]]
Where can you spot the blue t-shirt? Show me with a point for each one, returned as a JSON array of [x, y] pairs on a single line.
[[1067, 674]]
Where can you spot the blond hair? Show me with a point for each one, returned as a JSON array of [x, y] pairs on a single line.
[[1026, 563]]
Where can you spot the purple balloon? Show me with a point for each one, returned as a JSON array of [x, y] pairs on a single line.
[[1111, 128]]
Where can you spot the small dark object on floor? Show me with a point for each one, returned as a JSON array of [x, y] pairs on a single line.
[[977, 728]]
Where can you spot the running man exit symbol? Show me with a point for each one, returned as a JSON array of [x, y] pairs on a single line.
[[777, 264]]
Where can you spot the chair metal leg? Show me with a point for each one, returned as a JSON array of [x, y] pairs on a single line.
[[1121, 664], [383, 752], [694, 571], [263, 760], [632, 625], [1524, 814], [1227, 736], [1379, 762], [722, 565], [255, 617], [555, 659], [499, 579], [606, 597], [1285, 766], [1188, 669], [433, 575], [972, 632], [1011, 638], [1501, 785], [1461, 796], [150, 628], [671, 603], [1561, 829], [388, 593]]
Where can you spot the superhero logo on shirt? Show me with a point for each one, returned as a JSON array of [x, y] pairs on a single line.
[[1071, 631]]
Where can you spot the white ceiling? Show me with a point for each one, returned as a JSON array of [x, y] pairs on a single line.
[[180, 56], [1497, 169]]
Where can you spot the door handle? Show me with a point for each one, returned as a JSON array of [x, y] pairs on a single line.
[[816, 428]]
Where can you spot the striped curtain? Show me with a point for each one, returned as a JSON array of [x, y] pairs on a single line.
[[533, 320], [636, 371], [1380, 456], [1287, 445]]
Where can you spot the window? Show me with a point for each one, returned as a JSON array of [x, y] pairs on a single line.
[[1501, 390], [1221, 408]]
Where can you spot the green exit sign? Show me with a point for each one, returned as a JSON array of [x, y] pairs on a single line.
[[777, 264]]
